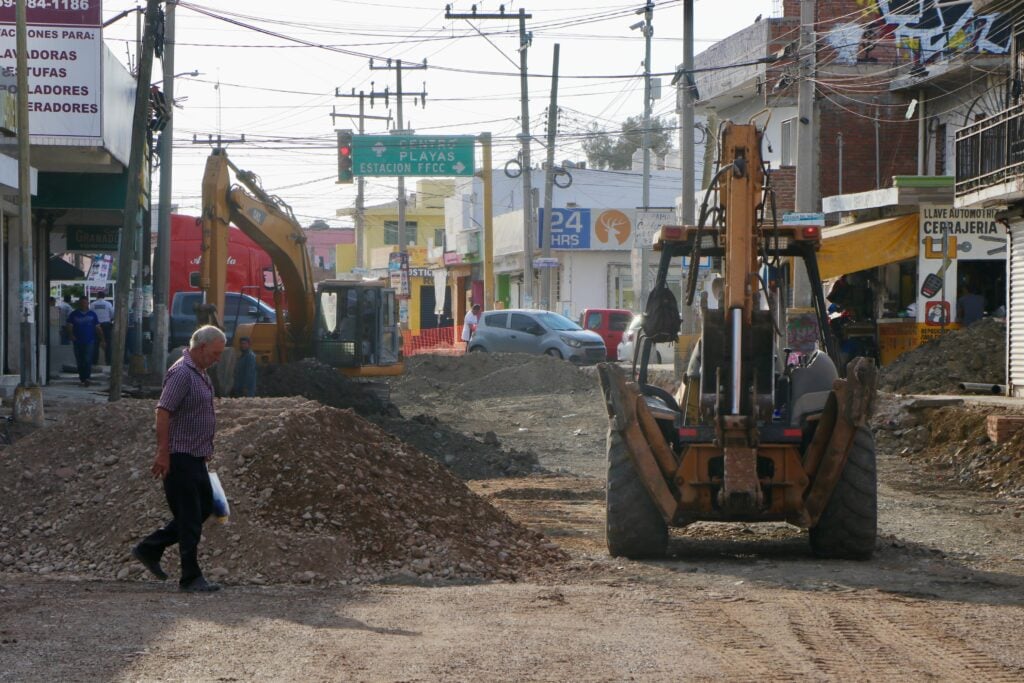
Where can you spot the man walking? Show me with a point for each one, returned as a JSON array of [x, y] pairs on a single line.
[[185, 425], [84, 330], [104, 311]]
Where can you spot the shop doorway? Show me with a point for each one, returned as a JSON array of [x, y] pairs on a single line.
[[987, 278], [428, 318]]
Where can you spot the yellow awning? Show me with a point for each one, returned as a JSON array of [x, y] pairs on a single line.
[[849, 248]]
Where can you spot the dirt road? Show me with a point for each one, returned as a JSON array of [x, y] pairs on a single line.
[[943, 598]]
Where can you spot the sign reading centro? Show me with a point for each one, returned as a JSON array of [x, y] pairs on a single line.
[[412, 155]]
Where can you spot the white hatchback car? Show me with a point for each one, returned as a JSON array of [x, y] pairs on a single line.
[[660, 353]]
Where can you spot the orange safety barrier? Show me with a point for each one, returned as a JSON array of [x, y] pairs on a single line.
[[439, 340]]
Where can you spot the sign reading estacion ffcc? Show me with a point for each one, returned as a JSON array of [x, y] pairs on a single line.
[[412, 155]]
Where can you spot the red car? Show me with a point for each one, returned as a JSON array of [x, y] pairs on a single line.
[[610, 323]]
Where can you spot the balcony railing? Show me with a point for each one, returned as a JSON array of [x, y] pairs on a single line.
[[990, 152]]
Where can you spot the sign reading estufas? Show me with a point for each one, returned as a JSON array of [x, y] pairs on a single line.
[[65, 45], [412, 155]]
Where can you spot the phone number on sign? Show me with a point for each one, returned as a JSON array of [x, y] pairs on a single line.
[[50, 4]]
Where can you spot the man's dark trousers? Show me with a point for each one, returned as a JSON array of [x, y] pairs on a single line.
[[190, 497], [83, 359]]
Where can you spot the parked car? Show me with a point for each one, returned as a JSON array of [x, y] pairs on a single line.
[[530, 331], [660, 353], [238, 309], [610, 323]]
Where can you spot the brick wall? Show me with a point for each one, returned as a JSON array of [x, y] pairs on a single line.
[[783, 181]]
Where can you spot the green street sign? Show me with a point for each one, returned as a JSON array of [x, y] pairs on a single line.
[[412, 155]]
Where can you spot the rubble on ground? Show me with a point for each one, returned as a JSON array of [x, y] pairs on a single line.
[[973, 354], [318, 495], [320, 382], [951, 442], [486, 375]]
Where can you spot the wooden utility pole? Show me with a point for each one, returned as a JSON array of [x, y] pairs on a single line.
[[133, 208], [549, 185]]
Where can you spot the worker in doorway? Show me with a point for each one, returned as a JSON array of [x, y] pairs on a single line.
[[469, 324], [970, 307]]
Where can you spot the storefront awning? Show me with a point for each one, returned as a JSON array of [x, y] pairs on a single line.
[[849, 248]]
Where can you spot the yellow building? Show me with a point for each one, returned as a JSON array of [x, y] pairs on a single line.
[[424, 227]]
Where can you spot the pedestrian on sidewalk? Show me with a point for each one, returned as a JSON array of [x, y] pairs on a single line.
[[469, 324], [84, 330], [104, 311], [185, 425], [64, 309]]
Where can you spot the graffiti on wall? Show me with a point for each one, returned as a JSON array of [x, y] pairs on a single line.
[[921, 29]]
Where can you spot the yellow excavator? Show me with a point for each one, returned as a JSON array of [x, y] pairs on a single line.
[[350, 325], [758, 432]]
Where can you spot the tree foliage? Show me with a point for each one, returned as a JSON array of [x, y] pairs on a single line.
[[615, 151]]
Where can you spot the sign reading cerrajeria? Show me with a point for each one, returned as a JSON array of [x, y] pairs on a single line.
[[412, 155]]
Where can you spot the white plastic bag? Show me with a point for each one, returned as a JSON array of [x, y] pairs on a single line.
[[221, 509]]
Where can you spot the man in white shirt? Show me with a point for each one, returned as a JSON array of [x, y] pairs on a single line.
[[104, 310], [469, 324]]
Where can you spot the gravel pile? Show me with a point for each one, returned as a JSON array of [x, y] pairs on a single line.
[[484, 375], [321, 383], [972, 354], [951, 442], [318, 495]]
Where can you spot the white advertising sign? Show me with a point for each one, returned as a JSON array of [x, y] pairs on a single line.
[[64, 74], [968, 235]]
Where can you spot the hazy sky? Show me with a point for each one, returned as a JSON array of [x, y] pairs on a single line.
[[280, 94]]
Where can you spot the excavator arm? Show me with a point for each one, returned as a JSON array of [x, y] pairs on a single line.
[[268, 222]]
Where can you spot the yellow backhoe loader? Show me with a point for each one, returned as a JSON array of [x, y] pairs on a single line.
[[757, 432], [349, 325]]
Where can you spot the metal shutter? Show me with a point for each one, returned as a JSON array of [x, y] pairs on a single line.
[[1015, 311]]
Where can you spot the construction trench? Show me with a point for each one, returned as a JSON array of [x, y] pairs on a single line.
[[456, 531]]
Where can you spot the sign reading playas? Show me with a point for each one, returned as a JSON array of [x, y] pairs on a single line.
[[412, 155], [64, 51], [574, 229]]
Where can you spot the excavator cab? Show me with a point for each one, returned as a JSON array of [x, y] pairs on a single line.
[[357, 329], [757, 432]]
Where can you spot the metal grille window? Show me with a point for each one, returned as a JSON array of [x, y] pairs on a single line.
[[788, 141], [391, 232]]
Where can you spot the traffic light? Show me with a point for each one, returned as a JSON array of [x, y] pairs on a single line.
[[345, 157]]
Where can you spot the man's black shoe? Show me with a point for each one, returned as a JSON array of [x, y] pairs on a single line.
[[152, 565], [200, 585]]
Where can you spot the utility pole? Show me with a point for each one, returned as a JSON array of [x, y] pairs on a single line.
[[28, 396], [397, 66], [529, 236], [805, 167], [648, 29], [549, 185], [806, 201], [686, 151], [360, 217], [132, 204], [487, 176], [162, 265]]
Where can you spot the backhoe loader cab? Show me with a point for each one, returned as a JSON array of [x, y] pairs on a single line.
[[756, 432], [356, 328]]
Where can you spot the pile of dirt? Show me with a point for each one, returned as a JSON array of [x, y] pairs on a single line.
[[321, 383], [952, 442], [493, 375], [317, 494], [465, 456], [972, 354]]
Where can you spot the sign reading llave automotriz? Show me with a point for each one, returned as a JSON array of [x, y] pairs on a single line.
[[412, 155]]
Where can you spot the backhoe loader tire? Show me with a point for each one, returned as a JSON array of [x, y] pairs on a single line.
[[635, 528], [849, 523]]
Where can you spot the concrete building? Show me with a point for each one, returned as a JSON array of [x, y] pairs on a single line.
[[80, 144], [990, 174]]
